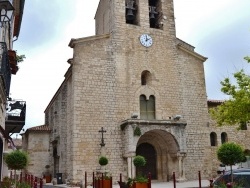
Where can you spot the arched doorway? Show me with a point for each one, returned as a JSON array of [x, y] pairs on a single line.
[[148, 151], [160, 148]]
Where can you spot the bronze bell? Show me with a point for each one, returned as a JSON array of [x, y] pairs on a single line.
[[152, 16], [152, 12], [130, 15]]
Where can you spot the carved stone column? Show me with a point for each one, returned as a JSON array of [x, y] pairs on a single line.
[[131, 167], [181, 156]]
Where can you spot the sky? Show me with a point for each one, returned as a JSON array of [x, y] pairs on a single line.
[[218, 29]]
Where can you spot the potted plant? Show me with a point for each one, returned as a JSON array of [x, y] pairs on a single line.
[[103, 179], [140, 181], [47, 174]]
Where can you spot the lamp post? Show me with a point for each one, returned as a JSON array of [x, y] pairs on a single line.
[[6, 11]]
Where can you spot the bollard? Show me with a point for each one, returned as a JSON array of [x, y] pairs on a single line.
[[211, 183], [199, 176], [93, 177], [229, 185], [149, 180], [21, 177], [120, 177], [102, 183], [41, 182], [85, 179], [26, 178], [35, 182], [31, 180], [174, 180]]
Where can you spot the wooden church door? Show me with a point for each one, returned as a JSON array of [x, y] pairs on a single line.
[[148, 151]]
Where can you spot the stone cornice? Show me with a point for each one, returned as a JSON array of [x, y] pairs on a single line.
[[73, 42], [193, 53], [123, 124]]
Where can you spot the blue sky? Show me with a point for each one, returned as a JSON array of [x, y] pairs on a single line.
[[220, 30]]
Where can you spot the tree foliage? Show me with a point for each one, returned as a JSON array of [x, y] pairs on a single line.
[[230, 153], [236, 110], [103, 161], [139, 161], [16, 160]]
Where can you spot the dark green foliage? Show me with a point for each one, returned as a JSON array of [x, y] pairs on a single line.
[[103, 161], [230, 153], [139, 161], [137, 131], [141, 179], [16, 160]]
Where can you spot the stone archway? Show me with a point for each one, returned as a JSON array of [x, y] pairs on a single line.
[[166, 153], [167, 137]]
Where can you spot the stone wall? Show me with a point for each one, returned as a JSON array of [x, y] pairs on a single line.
[[38, 151]]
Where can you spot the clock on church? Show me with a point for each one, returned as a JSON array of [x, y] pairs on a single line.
[[146, 40]]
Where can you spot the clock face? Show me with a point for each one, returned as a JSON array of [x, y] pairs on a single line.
[[146, 40]]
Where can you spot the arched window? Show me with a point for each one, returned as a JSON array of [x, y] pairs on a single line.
[[145, 77], [147, 107], [213, 139], [223, 137], [131, 12], [154, 7]]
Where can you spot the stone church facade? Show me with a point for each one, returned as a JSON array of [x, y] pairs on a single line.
[[134, 74]]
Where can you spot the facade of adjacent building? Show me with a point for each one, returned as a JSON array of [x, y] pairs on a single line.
[[12, 113], [134, 74], [35, 141]]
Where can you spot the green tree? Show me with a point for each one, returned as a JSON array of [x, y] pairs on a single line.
[[229, 154], [16, 160], [236, 110]]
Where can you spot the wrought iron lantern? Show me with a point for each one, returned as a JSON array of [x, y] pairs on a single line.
[[6, 11]]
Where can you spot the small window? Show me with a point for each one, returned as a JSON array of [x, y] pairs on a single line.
[[147, 107], [223, 137], [145, 77], [213, 139]]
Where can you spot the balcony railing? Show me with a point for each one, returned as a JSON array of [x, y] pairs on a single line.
[[5, 71], [15, 116]]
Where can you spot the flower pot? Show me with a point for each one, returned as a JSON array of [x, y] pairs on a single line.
[[105, 184], [140, 185]]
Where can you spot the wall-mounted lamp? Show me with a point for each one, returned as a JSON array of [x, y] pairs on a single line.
[[6, 11]]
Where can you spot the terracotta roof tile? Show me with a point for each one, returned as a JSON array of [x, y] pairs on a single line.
[[215, 101], [40, 128]]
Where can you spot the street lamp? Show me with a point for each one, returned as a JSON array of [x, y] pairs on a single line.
[[6, 11]]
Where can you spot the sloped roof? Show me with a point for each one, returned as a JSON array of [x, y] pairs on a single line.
[[215, 101], [41, 128]]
